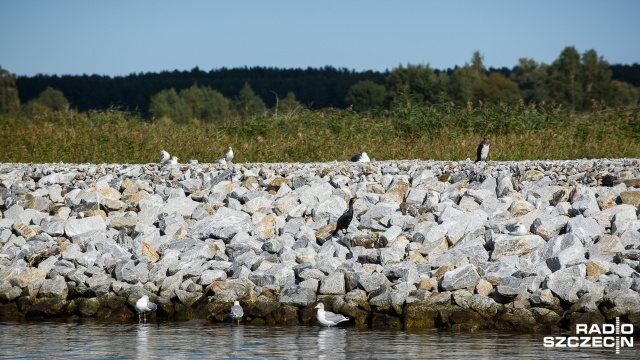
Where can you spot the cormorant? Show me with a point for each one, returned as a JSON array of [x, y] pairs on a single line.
[[345, 219]]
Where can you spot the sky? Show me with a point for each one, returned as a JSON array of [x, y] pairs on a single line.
[[120, 37]]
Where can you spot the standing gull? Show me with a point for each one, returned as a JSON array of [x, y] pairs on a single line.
[[345, 219], [229, 155], [362, 157], [143, 305], [328, 318], [236, 312], [164, 157], [483, 149]]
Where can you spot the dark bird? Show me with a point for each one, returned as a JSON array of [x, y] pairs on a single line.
[[483, 149], [345, 219]]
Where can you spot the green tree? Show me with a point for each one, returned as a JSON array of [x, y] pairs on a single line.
[[418, 82], [290, 103], [565, 78], [497, 88], [596, 79], [53, 99], [460, 87], [532, 79], [168, 104], [9, 101], [247, 103], [205, 104], [365, 95]]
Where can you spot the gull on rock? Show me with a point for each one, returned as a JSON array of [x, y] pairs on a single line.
[[362, 157], [236, 312], [518, 230], [164, 157], [229, 155], [173, 161], [221, 161], [143, 305], [328, 318], [192, 162]]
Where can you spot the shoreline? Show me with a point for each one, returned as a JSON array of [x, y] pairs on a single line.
[[431, 244]]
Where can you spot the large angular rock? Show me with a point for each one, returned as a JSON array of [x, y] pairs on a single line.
[[54, 288], [567, 282], [549, 226], [583, 228], [297, 296], [460, 278], [75, 227], [225, 224], [507, 245], [562, 250], [332, 284]]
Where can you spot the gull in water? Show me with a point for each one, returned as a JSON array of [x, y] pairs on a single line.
[[173, 161], [518, 230], [143, 305], [328, 318], [362, 157], [164, 157], [229, 155], [236, 312]]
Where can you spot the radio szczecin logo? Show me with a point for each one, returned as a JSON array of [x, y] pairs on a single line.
[[595, 336]]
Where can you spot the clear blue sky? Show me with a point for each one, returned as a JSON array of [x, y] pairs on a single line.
[[119, 37]]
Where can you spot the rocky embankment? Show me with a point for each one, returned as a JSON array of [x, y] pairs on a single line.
[[532, 245]]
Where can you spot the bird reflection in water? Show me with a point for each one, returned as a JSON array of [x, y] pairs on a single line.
[[332, 343], [142, 345]]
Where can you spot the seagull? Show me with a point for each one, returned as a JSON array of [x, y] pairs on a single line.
[[327, 317], [362, 157], [236, 312], [483, 149], [143, 305], [164, 157], [192, 162], [173, 161], [229, 155], [518, 230], [345, 219], [221, 161]]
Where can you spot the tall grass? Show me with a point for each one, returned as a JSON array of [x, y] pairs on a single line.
[[441, 132]]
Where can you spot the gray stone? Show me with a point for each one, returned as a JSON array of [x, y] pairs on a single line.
[[403, 272], [583, 228], [54, 288], [78, 227], [297, 296], [506, 245], [562, 250], [332, 284], [549, 226], [460, 278], [225, 224], [371, 281], [566, 283]]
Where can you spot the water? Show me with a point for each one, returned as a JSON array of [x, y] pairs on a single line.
[[197, 339]]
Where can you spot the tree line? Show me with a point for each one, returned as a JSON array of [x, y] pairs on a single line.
[[576, 81]]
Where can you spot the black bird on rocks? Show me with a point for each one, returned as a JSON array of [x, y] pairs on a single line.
[[345, 219], [483, 149]]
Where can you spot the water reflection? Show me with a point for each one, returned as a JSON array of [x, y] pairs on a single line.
[[199, 339], [332, 343]]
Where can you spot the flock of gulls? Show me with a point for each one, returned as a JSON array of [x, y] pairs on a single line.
[[326, 318]]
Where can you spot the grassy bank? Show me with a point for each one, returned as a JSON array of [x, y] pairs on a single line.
[[441, 132]]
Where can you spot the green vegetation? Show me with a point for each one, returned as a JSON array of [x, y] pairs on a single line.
[[572, 108], [444, 132]]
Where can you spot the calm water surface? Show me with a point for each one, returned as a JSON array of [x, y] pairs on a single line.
[[197, 339]]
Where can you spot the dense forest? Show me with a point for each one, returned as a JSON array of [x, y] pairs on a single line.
[[574, 80]]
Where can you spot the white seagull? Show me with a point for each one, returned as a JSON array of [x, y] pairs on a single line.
[[518, 230], [173, 161], [164, 157], [362, 157], [143, 305], [192, 162], [327, 317], [236, 312], [229, 155], [221, 161]]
